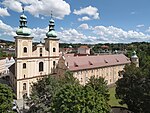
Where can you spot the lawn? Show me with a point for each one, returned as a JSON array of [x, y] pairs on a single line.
[[113, 101]]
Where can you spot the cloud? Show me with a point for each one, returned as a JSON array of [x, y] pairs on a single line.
[[84, 26], [39, 33], [59, 8], [13, 5], [6, 29], [98, 34], [84, 18], [91, 12], [114, 35], [73, 36], [140, 25], [4, 12], [148, 30]]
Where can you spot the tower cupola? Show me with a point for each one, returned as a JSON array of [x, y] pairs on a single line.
[[51, 32], [23, 29], [135, 59], [134, 55]]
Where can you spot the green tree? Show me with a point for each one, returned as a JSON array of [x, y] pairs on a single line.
[[73, 98], [133, 89], [44, 90], [100, 85], [6, 99], [64, 94], [42, 94]]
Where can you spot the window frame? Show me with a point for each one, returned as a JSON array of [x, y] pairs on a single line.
[[41, 66], [24, 65]]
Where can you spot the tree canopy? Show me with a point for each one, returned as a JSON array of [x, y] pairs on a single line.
[[66, 95], [6, 99], [133, 89]]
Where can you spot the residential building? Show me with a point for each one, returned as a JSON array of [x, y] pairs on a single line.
[[5, 63], [83, 50]]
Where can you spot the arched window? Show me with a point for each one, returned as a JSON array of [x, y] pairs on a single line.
[[54, 63], [54, 49], [24, 76], [24, 65], [24, 86], [25, 50], [41, 67]]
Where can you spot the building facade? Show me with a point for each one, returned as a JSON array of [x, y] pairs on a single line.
[[84, 50], [83, 67], [5, 63], [32, 63]]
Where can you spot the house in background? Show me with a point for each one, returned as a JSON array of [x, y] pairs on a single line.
[[83, 50], [5, 63]]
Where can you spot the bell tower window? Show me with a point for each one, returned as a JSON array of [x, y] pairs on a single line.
[[24, 65], [25, 50], [24, 86], [40, 52], [41, 67], [54, 49]]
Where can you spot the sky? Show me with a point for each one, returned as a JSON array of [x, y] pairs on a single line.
[[79, 21]]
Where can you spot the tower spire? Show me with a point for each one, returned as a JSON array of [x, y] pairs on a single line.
[[22, 9], [51, 32], [23, 30], [51, 14]]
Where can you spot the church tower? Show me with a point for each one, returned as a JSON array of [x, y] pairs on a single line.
[[135, 59], [52, 45], [33, 63], [23, 49]]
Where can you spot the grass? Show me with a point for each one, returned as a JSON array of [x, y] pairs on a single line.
[[113, 101]]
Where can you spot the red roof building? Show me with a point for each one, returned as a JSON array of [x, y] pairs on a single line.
[[83, 67]]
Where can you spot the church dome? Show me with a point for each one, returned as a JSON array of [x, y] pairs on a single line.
[[23, 31], [23, 16], [134, 55], [51, 33], [51, 21]]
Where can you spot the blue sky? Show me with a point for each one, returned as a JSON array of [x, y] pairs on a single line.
[[84, 21]]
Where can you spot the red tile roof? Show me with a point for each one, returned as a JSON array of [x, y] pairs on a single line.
[[88, 62], [86, 47]]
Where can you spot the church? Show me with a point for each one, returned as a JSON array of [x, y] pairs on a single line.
[[32, 63], [35, 62]]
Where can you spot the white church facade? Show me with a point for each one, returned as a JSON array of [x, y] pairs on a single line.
[[31, 62]]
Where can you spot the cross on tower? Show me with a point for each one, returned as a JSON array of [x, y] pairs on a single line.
[[51, 14], [23, 9]]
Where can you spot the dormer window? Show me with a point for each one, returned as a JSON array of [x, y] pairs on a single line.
[[75, 64], [90, 63], [105, 61], [117, 60]]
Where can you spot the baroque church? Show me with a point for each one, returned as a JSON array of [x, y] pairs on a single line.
[[32, 63]]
